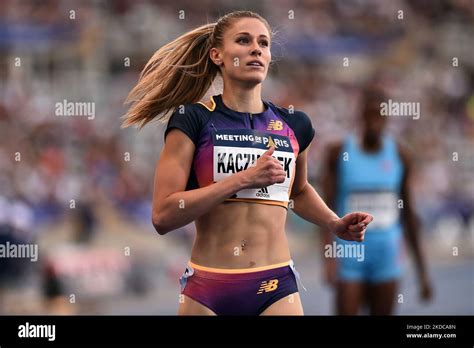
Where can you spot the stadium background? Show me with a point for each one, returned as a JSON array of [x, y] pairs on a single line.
[[81, 188]]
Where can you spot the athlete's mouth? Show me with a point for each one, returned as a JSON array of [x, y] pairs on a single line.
[[256, 63]]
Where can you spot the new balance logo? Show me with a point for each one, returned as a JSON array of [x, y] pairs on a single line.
[[271, 285], [263, 192], [275, 125]]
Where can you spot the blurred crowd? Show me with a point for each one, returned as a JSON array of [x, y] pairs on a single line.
[[55, 168]]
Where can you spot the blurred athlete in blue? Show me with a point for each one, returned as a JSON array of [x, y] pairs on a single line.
[[371, 173]]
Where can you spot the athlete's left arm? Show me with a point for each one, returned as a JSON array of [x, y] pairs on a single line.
[[411, 224], [309, 205]]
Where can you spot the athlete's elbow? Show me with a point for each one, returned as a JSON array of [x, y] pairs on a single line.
[[297, 193], [159, 223], [160, 228]]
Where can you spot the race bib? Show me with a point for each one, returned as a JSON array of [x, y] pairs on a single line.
[[237, 149], [382, 205]]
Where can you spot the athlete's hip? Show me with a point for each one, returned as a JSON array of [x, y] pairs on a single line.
[[245, 291], [243, 254], [254, 248]]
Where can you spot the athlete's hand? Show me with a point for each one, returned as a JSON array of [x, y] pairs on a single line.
[[264, 172], [352, 226], [426, 292]]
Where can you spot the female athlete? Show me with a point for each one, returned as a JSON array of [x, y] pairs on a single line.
[[233, 164]]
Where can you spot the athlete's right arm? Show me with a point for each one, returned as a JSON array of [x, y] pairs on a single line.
[[174, 207]]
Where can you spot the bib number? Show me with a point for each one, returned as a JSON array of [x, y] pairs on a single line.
[[381, 205], [238, 149]]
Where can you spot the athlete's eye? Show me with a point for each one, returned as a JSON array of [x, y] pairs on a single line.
[[243, 39], [246, 40]]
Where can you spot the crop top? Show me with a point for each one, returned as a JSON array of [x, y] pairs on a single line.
[[227, 141]]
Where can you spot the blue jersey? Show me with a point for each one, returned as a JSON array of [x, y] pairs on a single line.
[[371, 183]]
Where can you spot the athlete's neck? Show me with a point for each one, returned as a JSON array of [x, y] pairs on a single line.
[[243, 100], [371, 144]]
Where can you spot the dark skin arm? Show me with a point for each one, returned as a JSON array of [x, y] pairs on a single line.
[[411, 225], [329, 185]]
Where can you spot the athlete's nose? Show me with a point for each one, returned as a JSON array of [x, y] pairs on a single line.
[[256, 51]]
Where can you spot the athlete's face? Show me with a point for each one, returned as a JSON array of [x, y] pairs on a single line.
[[374, 122], [245, 52]]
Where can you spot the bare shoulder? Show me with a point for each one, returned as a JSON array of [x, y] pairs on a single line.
[[404, 152]]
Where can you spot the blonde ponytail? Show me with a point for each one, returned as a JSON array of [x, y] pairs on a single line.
[[179, 73]]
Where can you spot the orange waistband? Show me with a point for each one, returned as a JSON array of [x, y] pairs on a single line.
[[259, 201], [238, 270]]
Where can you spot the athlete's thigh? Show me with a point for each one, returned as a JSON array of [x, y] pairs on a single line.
[[288, 305], [349, 297], [382, 297], [190, 307]]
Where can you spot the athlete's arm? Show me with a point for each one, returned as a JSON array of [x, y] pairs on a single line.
[[411, 224], [174, 207], [306, 201], [308, 204], [329, 181]]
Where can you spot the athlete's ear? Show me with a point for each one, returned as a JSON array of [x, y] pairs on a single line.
[[216, 56]]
